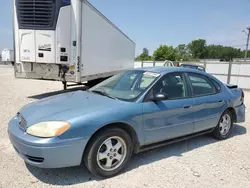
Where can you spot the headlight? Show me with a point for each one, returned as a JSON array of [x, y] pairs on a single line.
[[48, 129]]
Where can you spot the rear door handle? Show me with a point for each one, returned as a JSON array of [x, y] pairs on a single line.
[[221, 101], [186, 107]]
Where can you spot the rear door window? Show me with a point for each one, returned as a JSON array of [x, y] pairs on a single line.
[[201, 85]]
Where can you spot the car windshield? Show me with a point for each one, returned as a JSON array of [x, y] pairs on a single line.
[[126, 85]]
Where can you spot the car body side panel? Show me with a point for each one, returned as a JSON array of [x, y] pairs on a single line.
[[85, 111], [88, 124], [167, 119], [208, 110]]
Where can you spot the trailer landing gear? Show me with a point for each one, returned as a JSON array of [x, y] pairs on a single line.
[[64, 85]]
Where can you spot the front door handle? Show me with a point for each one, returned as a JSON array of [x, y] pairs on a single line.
[[186, 107], [221, 101]]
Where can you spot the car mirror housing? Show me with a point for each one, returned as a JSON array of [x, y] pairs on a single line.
[[160, 97]]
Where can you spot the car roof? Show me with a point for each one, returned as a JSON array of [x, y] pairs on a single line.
[[164, 70]]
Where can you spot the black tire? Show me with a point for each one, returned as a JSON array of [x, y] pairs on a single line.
[[217, 131], [90, 155]]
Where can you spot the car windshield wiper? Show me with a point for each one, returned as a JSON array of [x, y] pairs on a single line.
[[102, 93]]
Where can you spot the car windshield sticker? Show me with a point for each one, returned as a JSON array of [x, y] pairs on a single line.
[[151, 74]]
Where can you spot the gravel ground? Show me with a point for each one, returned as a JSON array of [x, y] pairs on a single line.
[[199, 162]]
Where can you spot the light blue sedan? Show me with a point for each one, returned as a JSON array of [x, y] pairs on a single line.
[[128, 113]]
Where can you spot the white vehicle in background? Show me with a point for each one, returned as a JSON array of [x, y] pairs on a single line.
[[68, 41], [8, 56]]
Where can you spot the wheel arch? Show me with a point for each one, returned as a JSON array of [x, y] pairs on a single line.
[[124, 126], [232, 110]]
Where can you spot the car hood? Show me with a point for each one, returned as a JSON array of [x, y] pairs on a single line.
[[65, 106]]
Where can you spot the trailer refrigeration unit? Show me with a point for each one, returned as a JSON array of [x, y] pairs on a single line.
[[68, 41]]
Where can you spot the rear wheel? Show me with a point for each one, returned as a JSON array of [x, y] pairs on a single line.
[[108, 152], [224, 127]]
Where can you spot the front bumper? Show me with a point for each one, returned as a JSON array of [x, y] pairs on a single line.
[[240, 113], [46, 152]]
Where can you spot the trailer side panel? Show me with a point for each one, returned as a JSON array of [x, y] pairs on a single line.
[[105, 48]]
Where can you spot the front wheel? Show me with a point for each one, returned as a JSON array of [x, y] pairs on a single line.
[[108, 152], [224, 127]]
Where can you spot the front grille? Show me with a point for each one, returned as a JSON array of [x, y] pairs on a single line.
[[21, 122], [36, 13]]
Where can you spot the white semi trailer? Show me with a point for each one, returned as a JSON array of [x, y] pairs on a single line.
[[8, 56], [68, 41]]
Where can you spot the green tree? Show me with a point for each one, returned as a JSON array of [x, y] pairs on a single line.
[[222, 52], [182, 52], [164, 52], [242, 53], [194, 51], [144, 56], [229, 53], [198, 48]]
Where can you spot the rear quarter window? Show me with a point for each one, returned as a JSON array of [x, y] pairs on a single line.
[[216, 85]]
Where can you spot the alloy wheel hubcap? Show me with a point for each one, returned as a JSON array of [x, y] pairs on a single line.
[[111, 153], [225, 124]]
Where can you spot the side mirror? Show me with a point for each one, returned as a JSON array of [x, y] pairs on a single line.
[[160, 97]]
